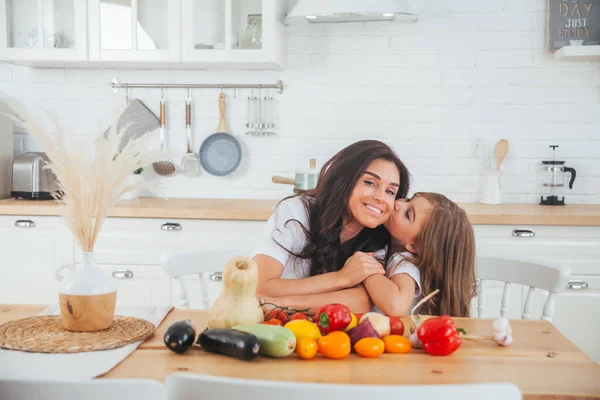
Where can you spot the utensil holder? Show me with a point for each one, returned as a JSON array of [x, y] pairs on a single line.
[[491, 192]]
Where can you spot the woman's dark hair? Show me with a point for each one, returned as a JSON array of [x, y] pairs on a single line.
[[327, 207]]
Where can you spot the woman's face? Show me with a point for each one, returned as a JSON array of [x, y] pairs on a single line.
[[372, 199], [407, 220]]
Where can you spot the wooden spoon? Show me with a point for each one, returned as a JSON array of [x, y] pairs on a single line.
[[500, 150]]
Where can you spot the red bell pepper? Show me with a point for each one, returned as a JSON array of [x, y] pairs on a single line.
[[333, 317], [439, 336]]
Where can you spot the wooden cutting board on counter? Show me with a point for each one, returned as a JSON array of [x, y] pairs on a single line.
[[541, 361]]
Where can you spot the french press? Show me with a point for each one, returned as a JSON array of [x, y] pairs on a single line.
[[553, 185]]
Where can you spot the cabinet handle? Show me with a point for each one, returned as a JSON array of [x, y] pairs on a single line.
[[25, 223], [171, 226], [215, 276], [577, 285], [122, 274], [523, 233]]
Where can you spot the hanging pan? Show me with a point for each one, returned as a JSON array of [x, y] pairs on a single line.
[[221, 153]]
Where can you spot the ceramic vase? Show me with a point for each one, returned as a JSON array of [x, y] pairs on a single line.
[[87, 297]]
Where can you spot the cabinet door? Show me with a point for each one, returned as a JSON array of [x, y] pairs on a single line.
[[135, 30], [140, 285], [43, 30], [233, 33], [32, 249], [577, 312]]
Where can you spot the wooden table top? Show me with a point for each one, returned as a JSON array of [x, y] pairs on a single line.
[[261, 209], [541, 361]]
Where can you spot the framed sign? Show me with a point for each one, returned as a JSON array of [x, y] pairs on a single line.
[[572, 23]]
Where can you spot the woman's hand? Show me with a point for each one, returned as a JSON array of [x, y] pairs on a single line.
[[359, 267]]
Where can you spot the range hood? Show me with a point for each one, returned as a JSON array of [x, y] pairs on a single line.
[[333, 11]]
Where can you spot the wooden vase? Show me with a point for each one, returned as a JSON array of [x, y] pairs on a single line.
[[87, 298]]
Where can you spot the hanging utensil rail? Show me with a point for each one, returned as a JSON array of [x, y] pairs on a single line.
[[116, 85]]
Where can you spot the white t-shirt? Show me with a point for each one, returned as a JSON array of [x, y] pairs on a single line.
[[398, 264], [289, 234]]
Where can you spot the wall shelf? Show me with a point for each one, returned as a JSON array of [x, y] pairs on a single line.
[[578, 53]]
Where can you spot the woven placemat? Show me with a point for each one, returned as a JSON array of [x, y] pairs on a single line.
[[45, 334]]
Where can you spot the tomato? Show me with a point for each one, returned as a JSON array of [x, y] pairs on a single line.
[[369, 347], [299, 315], [359, 315], [306, 348], [396, 326], [396, 344], [274, 321], [276, 313], [334, 345]]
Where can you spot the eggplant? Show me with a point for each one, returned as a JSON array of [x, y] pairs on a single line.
[[241, 345], [180, 336]]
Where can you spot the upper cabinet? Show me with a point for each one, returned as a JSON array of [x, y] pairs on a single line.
[[233, 32], [143, 33], [134, 30], [43, 31]]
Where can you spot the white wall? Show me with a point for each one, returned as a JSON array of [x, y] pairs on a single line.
[[468, 69]]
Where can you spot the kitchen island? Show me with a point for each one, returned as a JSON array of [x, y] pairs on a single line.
[[541, 361]]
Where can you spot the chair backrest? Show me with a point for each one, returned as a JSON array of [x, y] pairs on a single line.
[[95, 389], [553, 278], [210, 263], [181, 385]]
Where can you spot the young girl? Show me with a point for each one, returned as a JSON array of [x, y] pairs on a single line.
[[307, 240], [434, 248]]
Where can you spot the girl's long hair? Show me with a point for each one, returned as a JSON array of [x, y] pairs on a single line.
[[446, 258], [327, 207]]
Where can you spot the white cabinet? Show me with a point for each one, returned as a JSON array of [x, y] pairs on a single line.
[[578, 309], [184, 34], [43, 31], [32, 249], [131, 250], [134, 30], [239, 33]]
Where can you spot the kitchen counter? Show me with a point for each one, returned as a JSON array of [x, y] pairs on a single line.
[[260, 210], [541, 361]]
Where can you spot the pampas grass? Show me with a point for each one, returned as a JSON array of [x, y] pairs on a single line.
[[91, 178]]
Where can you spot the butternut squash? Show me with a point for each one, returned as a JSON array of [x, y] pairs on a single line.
[[237, 303]]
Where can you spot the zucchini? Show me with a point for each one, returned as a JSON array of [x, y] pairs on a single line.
[[275, 341], [237, 344]]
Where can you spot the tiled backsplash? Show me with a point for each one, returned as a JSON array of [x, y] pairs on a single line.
[[467, 70]]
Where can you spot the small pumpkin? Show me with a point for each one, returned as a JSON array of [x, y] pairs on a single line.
[[237, 303]]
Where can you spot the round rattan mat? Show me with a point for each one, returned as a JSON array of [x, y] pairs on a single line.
[[45, 334]]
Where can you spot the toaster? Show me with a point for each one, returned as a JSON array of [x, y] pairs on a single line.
[[30, 180]]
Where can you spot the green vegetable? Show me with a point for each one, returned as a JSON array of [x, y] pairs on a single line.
[[275, 341]]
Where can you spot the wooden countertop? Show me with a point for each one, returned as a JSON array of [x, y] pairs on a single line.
[[260, 210], [541, 361]]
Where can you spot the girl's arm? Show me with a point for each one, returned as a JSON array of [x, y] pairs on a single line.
[[393, 296], [356, 299], [355, 270]]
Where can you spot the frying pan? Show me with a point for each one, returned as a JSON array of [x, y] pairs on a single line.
[[220, 153]]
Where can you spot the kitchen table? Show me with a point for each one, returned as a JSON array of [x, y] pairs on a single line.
[[541, 361]]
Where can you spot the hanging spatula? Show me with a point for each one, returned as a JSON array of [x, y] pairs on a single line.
[[190, 163]]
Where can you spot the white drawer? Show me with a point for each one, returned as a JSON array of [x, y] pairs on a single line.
[[540, 231], [143, 241]]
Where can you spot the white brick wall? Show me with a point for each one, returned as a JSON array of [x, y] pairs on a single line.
[[469, 69]]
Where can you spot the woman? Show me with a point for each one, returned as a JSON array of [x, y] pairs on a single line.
[[302, 256]]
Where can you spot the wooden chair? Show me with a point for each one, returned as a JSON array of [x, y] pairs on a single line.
[[95, 389], [189, 386], [210, 263], [553, 278]]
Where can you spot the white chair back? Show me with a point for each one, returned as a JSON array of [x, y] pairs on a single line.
[[181, 385], [95, 389], [207, 264], [553, 278]]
